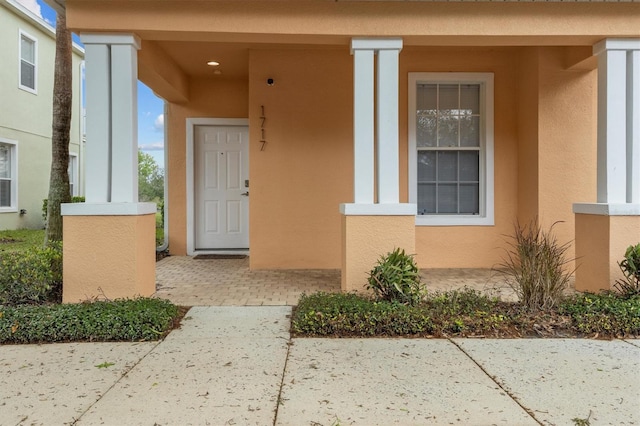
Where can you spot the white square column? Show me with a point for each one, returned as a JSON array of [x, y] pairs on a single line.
[[633, 126], [375, 119], [363, 147], [111, 102], [373, 226], [387, 127], [605, 229], [98, 123], [618, 120]]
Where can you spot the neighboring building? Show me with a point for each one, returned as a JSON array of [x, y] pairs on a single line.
[[361, 126], [27, 52]]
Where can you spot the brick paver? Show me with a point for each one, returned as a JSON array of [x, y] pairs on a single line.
[[224, 282]]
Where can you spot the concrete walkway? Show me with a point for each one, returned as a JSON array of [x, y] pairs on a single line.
[[239, 366]]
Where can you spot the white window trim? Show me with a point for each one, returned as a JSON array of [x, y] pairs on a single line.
[[486, 196], [73, 160], [35, 62], [14, 176]]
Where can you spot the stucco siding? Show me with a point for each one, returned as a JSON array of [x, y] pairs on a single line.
[[26, 117], [306, 168]]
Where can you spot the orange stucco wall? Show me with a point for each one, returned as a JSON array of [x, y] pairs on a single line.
[[556, 140], [306, 169], [545, 114], [441, 247], [208, 97], [544, 148], [294, 21], [365, 239], [567, 140], [528, 82], [108, 256], [601, 242]]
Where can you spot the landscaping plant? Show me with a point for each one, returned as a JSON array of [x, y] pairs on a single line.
[[117, 320], [535, 266], [605, 314], [396, 278], [465, 313], [32, 276], [630, 267]]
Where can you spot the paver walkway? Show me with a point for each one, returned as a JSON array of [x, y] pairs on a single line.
[[191, 282]]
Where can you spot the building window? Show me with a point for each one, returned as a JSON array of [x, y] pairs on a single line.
[[451, 148], [28, 62], [73, 174], [8, 175]]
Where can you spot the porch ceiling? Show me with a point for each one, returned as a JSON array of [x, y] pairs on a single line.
[[192, 56]]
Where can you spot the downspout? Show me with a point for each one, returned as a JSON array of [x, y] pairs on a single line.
[[165, 244]]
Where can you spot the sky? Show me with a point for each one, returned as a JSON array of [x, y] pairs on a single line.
[[150, 107]]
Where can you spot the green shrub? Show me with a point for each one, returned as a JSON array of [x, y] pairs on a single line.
[[119, 320], [630, 267], [464, 313], [606, 314], [535, 266], [461, 302], [323, 314], [396, 278], [457, 313], [32, 276], [45, 204]]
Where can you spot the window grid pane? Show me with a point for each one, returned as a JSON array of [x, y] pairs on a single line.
[[27, 62], [27, 50], [448, 182], [449, 178], [5, 162], [5, 193], [27, 75], [6, 177]]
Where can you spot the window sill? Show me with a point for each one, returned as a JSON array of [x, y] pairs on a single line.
[[8, 210], [28, 89], [454, 221]]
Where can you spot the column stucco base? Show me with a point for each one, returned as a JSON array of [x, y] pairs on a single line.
[[366, 238], [601, 241], [108, 256]]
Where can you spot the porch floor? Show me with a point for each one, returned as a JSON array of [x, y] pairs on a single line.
[[189, 282]]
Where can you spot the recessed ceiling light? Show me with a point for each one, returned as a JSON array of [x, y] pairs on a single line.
[[213, 63]]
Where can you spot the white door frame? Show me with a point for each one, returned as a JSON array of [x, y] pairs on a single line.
[[191, 124]]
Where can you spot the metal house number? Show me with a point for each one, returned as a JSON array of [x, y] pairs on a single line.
[[263, 140]]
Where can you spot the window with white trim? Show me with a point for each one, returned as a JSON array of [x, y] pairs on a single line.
[[451, 148], [73, 174], [28, 62], [8, 175]]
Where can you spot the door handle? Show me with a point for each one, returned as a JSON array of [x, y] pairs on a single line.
[[246, 194]]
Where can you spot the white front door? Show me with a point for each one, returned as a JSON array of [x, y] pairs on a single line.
[[221, 184]]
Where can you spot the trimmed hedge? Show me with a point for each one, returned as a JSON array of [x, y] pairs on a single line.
[[119, 320], [608, 314], [463, 313], [33, 276]]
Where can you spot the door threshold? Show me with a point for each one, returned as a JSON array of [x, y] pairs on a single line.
[[222, 251]]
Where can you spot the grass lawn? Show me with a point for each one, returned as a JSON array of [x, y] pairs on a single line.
[[21, 239]]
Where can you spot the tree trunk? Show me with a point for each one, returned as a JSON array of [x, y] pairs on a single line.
[[62, 103]]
